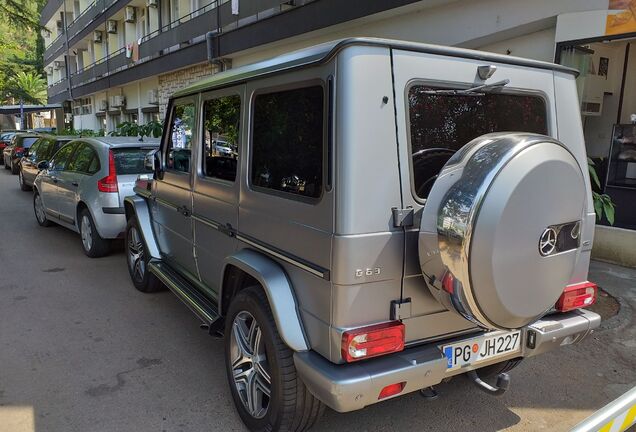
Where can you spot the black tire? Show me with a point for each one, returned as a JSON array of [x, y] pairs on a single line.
[[291, 407], [23, 186], [142, 279], [42, 219], [14, 168], [6, 165], [93, 245]]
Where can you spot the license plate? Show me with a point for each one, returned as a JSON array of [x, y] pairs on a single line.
[[482, 348]]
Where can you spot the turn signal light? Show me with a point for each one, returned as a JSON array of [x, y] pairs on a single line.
[[392, 390], [109, 183], [577, 296], [372, 341]]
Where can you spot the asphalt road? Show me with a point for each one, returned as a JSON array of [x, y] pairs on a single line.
[[81, 350]]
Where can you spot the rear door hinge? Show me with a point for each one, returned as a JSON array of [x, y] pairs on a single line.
[[402, 217], [401, 309]]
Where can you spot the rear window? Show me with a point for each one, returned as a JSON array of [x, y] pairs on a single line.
[[28, 141], [131, 160], [442, 124]]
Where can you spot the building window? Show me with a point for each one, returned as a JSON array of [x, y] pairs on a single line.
[[133, 118], [221, 125], [441, 124], [115, 120], [287, 144]]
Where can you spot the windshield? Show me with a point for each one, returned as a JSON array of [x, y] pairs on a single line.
[[131, 160]]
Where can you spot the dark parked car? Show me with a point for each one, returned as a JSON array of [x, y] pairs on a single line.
[[42, 150], [5, 140], [14, 152]]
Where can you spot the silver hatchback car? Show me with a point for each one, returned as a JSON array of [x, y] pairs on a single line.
[[84, 185]]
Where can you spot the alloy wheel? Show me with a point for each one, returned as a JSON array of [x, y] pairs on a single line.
[[250, 367], [86, 233], [136, 260], [39, 209]]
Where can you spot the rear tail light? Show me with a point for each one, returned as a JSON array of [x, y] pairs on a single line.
[[109, 183], [577, 296], [392, 390], [372, 341]]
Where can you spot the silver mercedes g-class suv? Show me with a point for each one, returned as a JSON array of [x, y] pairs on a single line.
[[392, 214]]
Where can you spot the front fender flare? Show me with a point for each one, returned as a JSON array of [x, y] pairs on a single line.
[[279, 292], [138, 207]]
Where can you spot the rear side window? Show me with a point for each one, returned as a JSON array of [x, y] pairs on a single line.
[[287, 143], [442, 124], [85, 160], [61, 157], [131, 160], [33, 150], [44, 149]]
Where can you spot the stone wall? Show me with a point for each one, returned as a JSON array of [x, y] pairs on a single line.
[[174, 81]]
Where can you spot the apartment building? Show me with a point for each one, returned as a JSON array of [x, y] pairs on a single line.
[[119, 60]]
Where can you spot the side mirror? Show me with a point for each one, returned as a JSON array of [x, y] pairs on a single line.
[[42, 165]]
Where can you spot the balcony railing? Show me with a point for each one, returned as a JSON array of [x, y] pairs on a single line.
[[53, 50], [57, 88], [87, 16], [101, 68], [176, 36], [49, 9]]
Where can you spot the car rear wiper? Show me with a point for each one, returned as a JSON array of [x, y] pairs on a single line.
[[473, 91]]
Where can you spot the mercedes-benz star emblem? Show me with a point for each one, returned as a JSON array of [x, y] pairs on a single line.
[[547, 242]]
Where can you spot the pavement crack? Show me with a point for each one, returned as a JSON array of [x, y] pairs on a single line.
[[106, 389]]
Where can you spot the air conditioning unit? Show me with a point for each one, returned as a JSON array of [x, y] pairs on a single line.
[[152, 3], [103, 105], [592, 98], [97, 36], [111, 26], [153, 97], [130, 14], [49, 70], [118, 101], [57, 65]]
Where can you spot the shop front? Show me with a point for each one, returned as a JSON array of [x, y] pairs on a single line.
[[602, 46]]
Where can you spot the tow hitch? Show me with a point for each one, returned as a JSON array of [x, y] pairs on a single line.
[[503, 380]]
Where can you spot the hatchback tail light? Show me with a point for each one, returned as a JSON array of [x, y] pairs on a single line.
[[109, 183], [372, 341], [577, 296]]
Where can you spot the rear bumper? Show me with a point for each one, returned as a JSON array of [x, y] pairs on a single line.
[[353, 386], [109, 225]]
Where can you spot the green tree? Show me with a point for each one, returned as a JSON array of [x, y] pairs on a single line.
[[28, 87], [23, 14]]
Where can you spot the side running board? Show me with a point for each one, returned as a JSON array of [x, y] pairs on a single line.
[[203, 307]]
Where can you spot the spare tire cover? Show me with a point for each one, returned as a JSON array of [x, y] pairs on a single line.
[[500, 230]]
